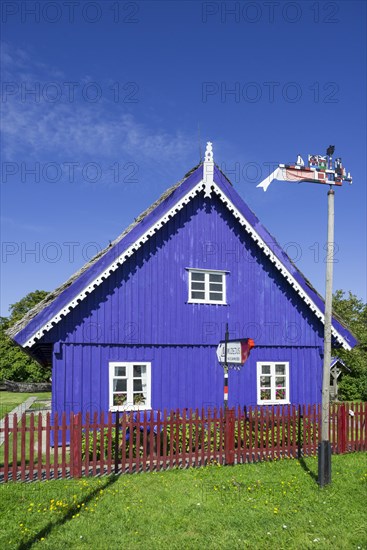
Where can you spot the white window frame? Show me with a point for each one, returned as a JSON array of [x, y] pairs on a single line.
[[129, 405], [207, 273], [272, 400]]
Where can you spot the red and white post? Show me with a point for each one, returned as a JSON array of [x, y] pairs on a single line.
[[225, 369]]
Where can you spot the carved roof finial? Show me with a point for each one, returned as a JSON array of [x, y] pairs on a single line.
[[208, 172], [209, 152]]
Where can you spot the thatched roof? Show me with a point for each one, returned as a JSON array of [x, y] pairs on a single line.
[[51, 297]]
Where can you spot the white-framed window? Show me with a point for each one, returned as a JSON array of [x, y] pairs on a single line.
[[272, 383], [130, 386], [207, 287]]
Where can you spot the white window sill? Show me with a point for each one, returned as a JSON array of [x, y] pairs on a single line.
[[210, 303], [131, 408], [279, 402]]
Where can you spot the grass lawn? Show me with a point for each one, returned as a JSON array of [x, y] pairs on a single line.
[[274, 505], [9, 400], [39, 406]]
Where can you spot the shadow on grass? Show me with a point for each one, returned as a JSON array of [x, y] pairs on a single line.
[[312, 474], [43, 533]]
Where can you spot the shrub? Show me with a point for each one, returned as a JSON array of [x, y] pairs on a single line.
[[206, 435]]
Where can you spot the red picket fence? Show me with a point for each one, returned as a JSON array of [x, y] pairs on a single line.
[[132, 442]]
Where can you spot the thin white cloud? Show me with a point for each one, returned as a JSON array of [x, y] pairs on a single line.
[[70, 131]]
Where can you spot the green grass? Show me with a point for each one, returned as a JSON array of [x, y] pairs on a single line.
[[267, 505], [10, 400], [39, 406]]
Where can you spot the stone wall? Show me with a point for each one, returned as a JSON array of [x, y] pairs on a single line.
[[27, 387]]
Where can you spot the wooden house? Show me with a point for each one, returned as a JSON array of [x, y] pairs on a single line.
[[138, 326]]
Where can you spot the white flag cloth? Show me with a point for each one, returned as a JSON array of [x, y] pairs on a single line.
[[278, 174]]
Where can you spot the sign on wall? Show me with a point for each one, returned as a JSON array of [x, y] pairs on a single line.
[[237, 351]]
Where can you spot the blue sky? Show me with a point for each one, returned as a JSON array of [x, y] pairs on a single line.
[[119, 92]]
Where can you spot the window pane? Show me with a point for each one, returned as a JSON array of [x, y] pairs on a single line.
[[198, 295], [119, 399], [265, 381], [280, 394], [265, 394], [138, 385], [196, 276], [119, 384], [139, 370], [216, 287], [280, 381], [265, 369], [279, 369], [120, 371], [139, 399], [198, 286], [215, 278], [216, 296]]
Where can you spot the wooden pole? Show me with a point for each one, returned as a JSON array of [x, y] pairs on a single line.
[[324, 464]]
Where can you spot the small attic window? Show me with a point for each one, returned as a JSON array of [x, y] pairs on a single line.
[[207, 287]]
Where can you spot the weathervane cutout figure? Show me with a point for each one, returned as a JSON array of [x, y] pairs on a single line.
[[320, 169]]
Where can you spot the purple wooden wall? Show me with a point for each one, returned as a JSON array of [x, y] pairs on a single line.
[[184, 376], [141, 313]]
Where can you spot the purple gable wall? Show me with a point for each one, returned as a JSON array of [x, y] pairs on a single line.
[[145, 300]]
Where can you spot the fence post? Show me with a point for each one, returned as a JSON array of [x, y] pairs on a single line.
[[342, 432], [229, 423], [117, 429], [76, 447], [299, 438]]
